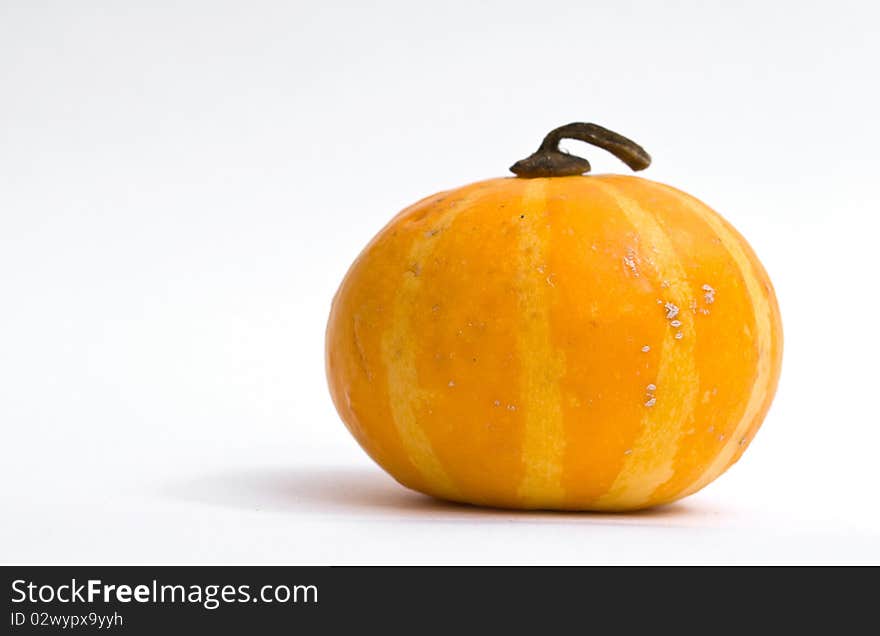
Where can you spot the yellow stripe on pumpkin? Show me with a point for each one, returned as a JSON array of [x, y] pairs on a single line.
[[542, 364], [763, 319], [652, 460], [407, 399]]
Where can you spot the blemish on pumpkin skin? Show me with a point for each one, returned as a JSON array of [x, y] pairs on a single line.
[[709, 295], [631, 262], [646, 349], [649, 393], [362, 358]]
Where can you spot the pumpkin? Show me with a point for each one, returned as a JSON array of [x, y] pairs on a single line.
[[556, 340]]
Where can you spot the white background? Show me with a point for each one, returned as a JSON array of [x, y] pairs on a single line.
[[183, 186]]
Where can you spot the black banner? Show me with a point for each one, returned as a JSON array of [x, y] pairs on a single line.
[[189, 599]]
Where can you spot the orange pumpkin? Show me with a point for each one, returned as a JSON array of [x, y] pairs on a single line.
[[556, 340]]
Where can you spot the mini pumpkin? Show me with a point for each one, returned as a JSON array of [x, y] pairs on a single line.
[[556, 340]]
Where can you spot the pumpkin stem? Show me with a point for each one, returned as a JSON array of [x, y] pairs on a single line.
[[550, 161]]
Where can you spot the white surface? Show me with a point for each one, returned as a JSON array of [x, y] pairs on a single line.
[[182, 188]]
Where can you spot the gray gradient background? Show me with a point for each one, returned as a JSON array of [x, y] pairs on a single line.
[[183, 185]]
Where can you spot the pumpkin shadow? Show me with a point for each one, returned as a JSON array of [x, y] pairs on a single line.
[[371, 495]]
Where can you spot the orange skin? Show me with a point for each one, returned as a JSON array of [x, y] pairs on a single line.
[[578, 343]]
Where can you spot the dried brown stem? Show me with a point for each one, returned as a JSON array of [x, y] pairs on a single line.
[[550, 161]]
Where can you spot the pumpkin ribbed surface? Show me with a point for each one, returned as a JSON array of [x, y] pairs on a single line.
[[585, 343]]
